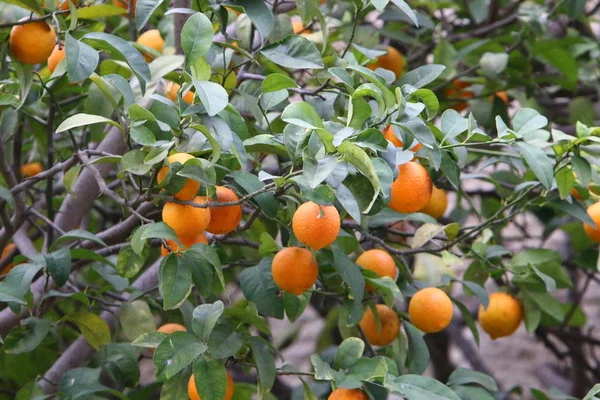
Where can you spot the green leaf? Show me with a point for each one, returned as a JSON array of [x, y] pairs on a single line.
[[418, 352], [348, 353], [149, 339], [533, 314], [368, 369], [275, 82], [258, 12], [472, 393], [350, 273], [142, 135], [78, 120], [175, 280], [259, 287], [464, 376], [129, 263], [7, 196], [205, 317], [94, 329], [453, 124], [548, 304], [136, 319], [582, 169], [82, 59], [265, 364], [82, 383], [361, 160], [575, 209], [31, 5], [196, 37], [421, 76], [175, 388], [213, 96], [210, 377], [99, 11], [27, 336], [78, 234], [416, 387], [468, 319], [294, 52], [317, 170], [538, 161], [133, 161], [553, 53], [58, 264], [175, 353], [591, 395], [144, 10], [250, 183], [548, 281], [323, 371], [224, 341], [405, 8], [432, 104]]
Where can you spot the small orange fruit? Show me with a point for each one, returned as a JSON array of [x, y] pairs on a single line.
[[58, 54], [125, 5], [430, 310], [171, 92], [225, 219], [9, 248], [186, 220], [153, 40], [502, 95], [393, 61], [193, 392], [437, 205], [378, 261], [190, 188], [294, 270], [64, 5], [298, 28], [502, 317], [170, 328], [594, 213], [348, 394], [411, 191], [31, 169], [390, 135], [187, 243], [316, 226], [456, 90], [33, 42], [390, 325]]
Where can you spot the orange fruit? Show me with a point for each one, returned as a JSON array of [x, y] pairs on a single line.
[[390, 325], [502, 317], [186, 242], [31, 169], [430, 310], [411, 191], [186, 220], [294, 270], [64, 5], [171, 92], [170, 328], [378, 261], [437, 204], [193, 392], [152, 39], [390, 135], [225, 219], [393, 61], [298, 28], [58, 54], [502, 95], [316, 226], [594, 213], [190, 188], [125, 5], [348, 394], [33, 42], [456, 90], [9, 248]]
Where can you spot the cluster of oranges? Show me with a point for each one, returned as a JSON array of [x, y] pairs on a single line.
[[190, 222]]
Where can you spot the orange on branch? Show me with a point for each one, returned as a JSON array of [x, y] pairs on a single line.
[[171, 92], [390, 135], [193, 391], [316, 226], [124, 4], [225, 219], [378, 261], [430, 310], [437, 204], [594, 213], [190, 188], [32, 43], [348, 394], [31, 169], [502, 317], [186, 220], [393, 61], [294, 270], [390, 325], [456, 90], [58, 54], [412, 189], [153, 40], [9, 248], [170, 328], [64, 5], [186, 244]]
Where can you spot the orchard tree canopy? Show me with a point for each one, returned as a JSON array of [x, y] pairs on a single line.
[[404, 180]]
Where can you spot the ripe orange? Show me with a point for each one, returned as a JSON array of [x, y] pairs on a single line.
[[58, 54], [187, 221], [190, 188], [294, 270], [152, 39], [125, 5], [378, 261], [393, 61], [298, 28], [390, 325], [31, 169], [193, 392], [224, 219], [187, 243], [64, 5], [430, 310], [502, 95], [32, 43], [348, 394], [9, 248], [594, 213], [171, 92], [316, 226], [437, 204], [170, 328], [389, 134], [502, 317], [411, 191], [457, 91]]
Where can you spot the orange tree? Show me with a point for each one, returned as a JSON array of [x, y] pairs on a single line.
[[302, 152]]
